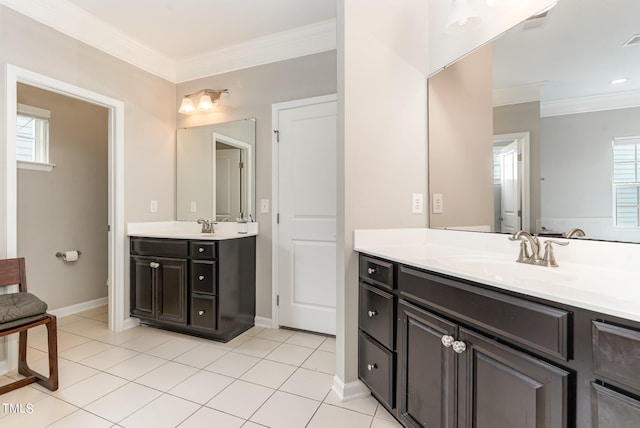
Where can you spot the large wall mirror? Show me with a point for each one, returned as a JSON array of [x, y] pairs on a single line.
[[216, 171], [532, 131]]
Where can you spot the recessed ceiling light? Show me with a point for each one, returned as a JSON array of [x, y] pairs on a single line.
[[618, 81]]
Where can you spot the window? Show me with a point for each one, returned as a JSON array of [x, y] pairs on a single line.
[[32, 136], [626, 182]]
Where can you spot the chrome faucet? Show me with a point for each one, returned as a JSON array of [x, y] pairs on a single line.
[[574, 232], [207, 225], [548, 259]]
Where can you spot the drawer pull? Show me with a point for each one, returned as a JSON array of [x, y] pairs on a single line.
[[459, 346], [154, 265], [201, 277], [200, 312], [372, 313], [371, 271], [372, 366], [447, 340], [201, 250]]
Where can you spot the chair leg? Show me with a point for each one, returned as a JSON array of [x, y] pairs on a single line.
[[50, 382]]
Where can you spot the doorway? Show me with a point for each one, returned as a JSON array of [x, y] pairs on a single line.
[[511, 182], [116, 226], [305, 204]]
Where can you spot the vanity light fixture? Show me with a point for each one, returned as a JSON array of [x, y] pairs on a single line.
[[463, 17], [208, 100]]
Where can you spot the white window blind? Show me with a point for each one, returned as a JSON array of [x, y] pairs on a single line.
[[32, 134], [626, 181]]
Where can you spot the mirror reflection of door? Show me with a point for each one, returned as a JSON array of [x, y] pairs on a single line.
[[510, 158], [228, 182]]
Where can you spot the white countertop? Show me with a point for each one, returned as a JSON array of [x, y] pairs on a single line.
[[600, 276], [189, 230]]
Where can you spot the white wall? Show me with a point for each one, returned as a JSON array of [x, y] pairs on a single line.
[[382, 157]]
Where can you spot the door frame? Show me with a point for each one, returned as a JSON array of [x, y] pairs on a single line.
[[247, 165], [275, 206], [523, 139], [115, 154]]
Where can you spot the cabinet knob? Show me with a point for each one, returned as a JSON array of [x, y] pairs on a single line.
[[201, 250], [447, 340], [371, 271], [154, 265], [459, 346], [201, 277], [372, 366], [372, 313], [200, 312]]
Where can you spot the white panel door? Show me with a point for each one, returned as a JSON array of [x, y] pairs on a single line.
[[228, 184], [510, 195], [307, 192]]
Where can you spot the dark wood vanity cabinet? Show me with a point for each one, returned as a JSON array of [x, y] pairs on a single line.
[[467, 355], [204, 288]]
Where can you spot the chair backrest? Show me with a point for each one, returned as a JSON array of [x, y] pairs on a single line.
[[12, 271]]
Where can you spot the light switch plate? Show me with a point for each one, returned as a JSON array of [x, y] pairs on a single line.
[[416, 203], [194, 207], [264, 206], [437, 206], [153, 206]]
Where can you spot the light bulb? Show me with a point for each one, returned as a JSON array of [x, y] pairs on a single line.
[[187, 106]]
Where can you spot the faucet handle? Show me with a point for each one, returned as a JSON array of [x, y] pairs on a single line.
[[549, 259]]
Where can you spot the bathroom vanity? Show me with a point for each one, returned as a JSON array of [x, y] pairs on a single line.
[[194, 283], [455, 338]]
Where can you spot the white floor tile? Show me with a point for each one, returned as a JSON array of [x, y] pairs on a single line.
[[385, 423], [146, 342], [90, 389], [206, 417], [241, 399], [166, 411], [290, 354], [308, 383], [277, 334], [202, 386], [285, 410], [382, 413], [329, 345], [166, 376], [338, 417], [109, 358], [86, 350], [257, 347], [65, 341], [122, 402], [306, 339], [80, 325], [81, 418], [45, 412], [172, 348], [200, 356], [70, 373], [268, 373], [321, 361], [250, 424], [135, 367], [367, 405], [232, 364]]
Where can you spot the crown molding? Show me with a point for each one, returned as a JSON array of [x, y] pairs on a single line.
[[75, 22], [517, 94], [590, 104], [307, 40]]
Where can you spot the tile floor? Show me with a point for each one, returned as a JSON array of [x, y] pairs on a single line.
[[145, 377]]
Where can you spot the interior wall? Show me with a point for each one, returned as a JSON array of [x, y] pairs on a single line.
[[252, 91], [461, 142], [66, 209], [524, 117], [149, 128], [382, 153]]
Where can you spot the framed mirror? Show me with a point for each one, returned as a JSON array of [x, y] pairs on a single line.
[[216, 171], [532, 132]]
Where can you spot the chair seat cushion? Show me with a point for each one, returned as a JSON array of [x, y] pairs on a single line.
[[16, 306]]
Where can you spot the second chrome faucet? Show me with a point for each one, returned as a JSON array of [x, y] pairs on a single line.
[[534, 258]]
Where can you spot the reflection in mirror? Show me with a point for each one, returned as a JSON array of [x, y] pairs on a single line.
[[577, 162], [216, 171]]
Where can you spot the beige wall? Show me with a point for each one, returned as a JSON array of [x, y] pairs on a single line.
[[524, 117], [252, 92], [461, 141], [66, 209]]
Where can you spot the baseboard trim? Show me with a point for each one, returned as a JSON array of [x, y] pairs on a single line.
[[349, 391], [263, 322], [130, 323], [80, 307]]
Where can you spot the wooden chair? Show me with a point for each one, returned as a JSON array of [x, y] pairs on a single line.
[[18, 313]]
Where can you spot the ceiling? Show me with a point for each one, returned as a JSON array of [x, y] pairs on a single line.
[[182, 40]]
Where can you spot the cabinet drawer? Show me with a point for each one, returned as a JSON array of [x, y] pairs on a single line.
[[376, 368], [160, 247], [531, 324], [203, 277], [610, 409], [376, 271], [203, 312], [616, 354], [203, 250], [376, 314]]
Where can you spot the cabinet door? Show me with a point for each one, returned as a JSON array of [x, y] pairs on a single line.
[[426, 369], [142, 287], [499, 387], [611, 409], [171, 282]]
